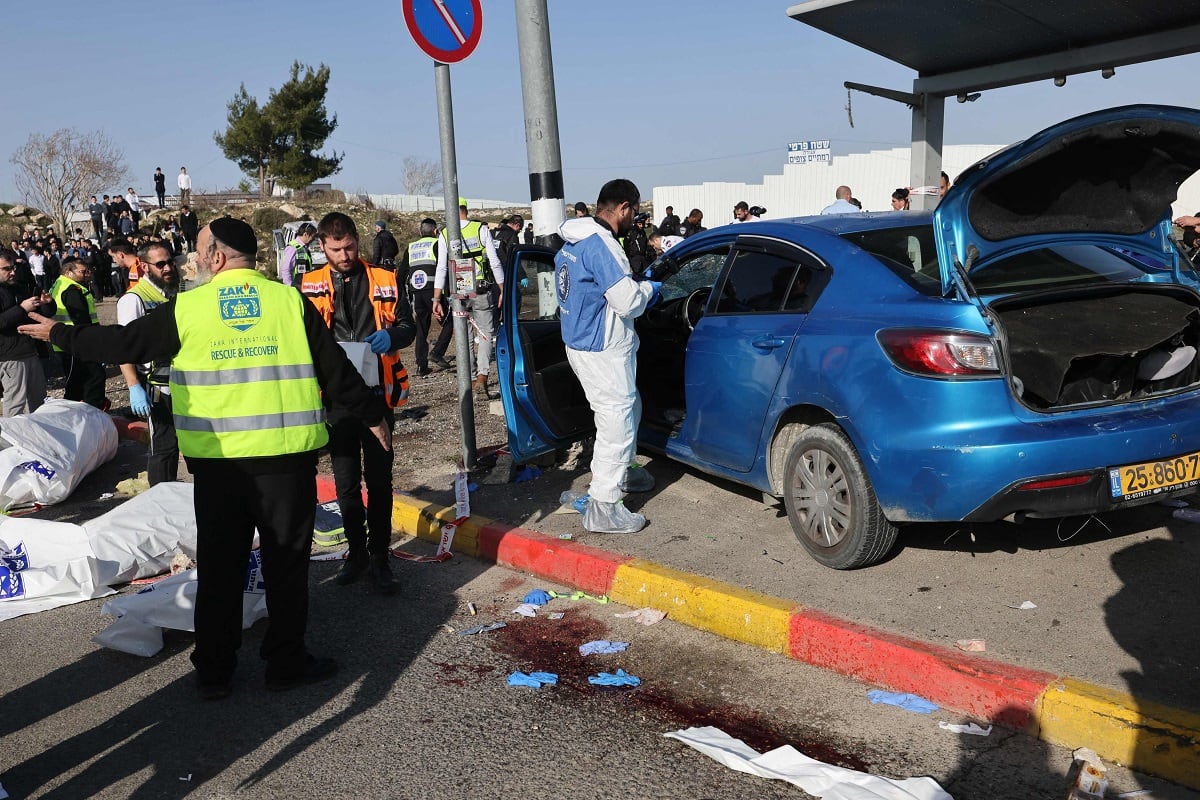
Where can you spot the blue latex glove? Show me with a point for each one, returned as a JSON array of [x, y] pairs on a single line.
[[139, 400], [534, 680], [909, 702], [602, 646], [656, 295], [521, 679], [380, 341], [620, 678], [524, 282], [538, 597]]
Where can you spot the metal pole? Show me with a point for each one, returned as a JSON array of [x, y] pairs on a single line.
[[462, 346], [541, 121]]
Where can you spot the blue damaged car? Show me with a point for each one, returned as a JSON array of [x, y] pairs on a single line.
[[1029, 349]]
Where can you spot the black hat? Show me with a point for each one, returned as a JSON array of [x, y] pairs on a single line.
[[235, 234]]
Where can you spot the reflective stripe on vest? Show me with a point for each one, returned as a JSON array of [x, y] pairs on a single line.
[[422, 263], [243, 383], [157, 373], [61, 284], [304, 262], [383, 293]]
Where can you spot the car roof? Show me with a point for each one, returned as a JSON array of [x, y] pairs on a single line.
[[833, 224]]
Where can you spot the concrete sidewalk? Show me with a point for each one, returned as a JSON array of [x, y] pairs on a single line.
[[1060, 709]]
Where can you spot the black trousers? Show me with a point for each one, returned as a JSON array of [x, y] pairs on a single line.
[[85, 380], [162, 199], [230, 503], [162, 463], [97, 227], [357, 455], [422, 303]]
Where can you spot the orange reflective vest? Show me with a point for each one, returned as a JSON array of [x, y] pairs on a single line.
[[317, 286]]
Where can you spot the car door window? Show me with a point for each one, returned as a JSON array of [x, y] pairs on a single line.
[[759, 281], [535, 284]]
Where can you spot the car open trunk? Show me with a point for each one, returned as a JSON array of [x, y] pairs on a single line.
[[1110, 345]]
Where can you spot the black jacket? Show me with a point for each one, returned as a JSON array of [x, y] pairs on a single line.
[[386, 249], [506, 241], [15, 346], [160, 183], [189, 224], [670, 225], [637, 248]]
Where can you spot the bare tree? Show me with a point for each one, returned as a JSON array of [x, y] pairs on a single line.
[[422, 177], [60, 172]]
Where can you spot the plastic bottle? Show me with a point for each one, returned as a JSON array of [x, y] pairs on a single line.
[[577, 500]]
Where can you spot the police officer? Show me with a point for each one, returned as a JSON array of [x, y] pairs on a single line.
[[251, 359], [477, 245], [297, 258], [417, 268], [74, 305]]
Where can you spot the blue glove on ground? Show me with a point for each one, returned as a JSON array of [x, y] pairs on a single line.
[[602, 646], [534, 680], [620, 678], [539, 597], [909, 702], [139, 400], [656, 295], [380, 341]]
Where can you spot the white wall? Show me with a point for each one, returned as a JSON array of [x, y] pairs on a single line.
[[807, 188], [415, 202]]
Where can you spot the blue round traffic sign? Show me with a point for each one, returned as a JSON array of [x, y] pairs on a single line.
[[447, 30]]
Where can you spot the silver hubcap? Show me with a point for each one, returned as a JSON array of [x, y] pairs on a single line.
[[821, 494]]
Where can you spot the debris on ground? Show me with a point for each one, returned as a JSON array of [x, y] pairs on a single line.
[[618, 678], [1089, 775], [483, 629], [537, 597], [527, 473], [972, 645], [534, 680], [645, 616], [909, 702], [1026, 606], [602, 647], [132, 486], [970, 728], [788, 764], [526, 610], [602, 599]]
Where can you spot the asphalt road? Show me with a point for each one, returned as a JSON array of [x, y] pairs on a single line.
[[1116, 596], [420, 711]]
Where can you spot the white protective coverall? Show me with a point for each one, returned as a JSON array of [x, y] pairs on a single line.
[[598, 301]]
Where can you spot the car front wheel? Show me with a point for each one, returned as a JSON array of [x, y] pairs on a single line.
[[830, 502]]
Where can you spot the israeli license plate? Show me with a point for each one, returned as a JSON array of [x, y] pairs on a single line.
[[1154, 477]]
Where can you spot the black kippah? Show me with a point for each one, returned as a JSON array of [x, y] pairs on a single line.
[[235, 234]]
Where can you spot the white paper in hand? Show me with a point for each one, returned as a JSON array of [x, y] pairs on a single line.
[[366, 362]]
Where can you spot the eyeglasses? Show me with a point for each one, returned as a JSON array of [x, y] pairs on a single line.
[[161, 264]]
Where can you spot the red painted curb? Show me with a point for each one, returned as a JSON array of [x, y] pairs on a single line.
[[578, 565], [986, 689]]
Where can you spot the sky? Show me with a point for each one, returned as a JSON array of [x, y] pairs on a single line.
[[659, 93]]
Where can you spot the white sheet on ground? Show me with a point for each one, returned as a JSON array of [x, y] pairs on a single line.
[[51, 450], [46, 564], [815, 777], [170, 603]]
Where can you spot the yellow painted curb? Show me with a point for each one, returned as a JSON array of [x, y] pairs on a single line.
[[702, 603], [1134, 733], [425, 520]]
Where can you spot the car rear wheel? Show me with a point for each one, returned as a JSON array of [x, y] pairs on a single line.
[[830, 502]]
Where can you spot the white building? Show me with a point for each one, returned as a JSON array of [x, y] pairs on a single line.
[[807, 188]]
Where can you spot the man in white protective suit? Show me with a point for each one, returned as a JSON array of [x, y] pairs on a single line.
[[598, 301]]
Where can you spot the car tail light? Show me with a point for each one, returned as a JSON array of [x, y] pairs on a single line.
[[940, 353], [1054, 483]]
